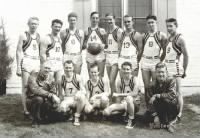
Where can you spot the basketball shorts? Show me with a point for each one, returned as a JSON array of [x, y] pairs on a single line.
[[67, 103], [29, 64], [95, 58], [149, 64], [56, 65], [174, 68], [111, 59], [135, 64], [76, 59]]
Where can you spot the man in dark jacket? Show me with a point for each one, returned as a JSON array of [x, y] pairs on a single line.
[[163, 99], [41, 93]]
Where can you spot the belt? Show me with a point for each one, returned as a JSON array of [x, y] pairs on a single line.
[[111, 52], [150, 57], [171, 61], [32, 57], [73, 54], [128, 57], [54, 58]]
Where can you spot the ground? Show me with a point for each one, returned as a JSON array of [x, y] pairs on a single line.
[[13, 124]]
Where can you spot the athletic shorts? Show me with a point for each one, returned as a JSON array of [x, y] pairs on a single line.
[[135, 64], [136, 102], [95, 58], [174, 68], [149, 64], [29, 64], [56, 65], [76, 59], [111, 59], [68, 102]]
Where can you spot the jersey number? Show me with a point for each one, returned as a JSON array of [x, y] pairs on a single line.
[[110, 41], [150, 44], [70, 90], [93, 38], [57, 49], [168, 49], [73, 42], [126, 44]]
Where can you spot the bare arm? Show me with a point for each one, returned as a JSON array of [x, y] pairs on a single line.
[[163, 46], [44, 44], [82, 38], [138, 38], [81, 84], [62, 37]]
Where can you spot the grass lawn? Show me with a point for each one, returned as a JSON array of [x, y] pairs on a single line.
[[13, 124]]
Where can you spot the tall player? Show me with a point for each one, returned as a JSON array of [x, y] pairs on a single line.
[[95, 40], [28, 56], [112, 51], [72, 41], [51, 49], [175, 48], [130, 46], [153, 43]]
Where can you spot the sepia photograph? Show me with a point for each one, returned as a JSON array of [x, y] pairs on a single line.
[[99, 68]]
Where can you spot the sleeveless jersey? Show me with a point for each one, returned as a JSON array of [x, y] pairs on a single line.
[[97, 89], [126, 88], [70, 88], [94, 36], [54, 50], [128, 45], [31, 46], [112, 41], [172, 49], [72, 42], [152, 45]]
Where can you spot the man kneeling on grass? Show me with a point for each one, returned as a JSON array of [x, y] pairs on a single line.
[[41, 94], [127, 93], [163, 99]]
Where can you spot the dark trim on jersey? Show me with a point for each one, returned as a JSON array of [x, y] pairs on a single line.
[[114, 33], [66, 38], [157, 38], [73, 81], [97, 30], [145, 38], [27, 43], [131, 84], [50, 46], [175, 46], [131, 36], [100, 84]]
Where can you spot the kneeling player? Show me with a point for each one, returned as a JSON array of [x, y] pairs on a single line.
[[72, 91], [97, 91], [127, 92]]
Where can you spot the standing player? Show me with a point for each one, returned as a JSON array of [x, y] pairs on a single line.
[[130, 46], [127, 92], [97, 89], [153, 42], [51, 49], [112, 51], [175, 48], [72, 91], [28, 56], [72, 41], [95, 42]]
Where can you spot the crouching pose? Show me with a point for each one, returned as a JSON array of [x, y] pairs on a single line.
[[127, 93], [72, 92], [163, 99], [97, 89], [41, 94]]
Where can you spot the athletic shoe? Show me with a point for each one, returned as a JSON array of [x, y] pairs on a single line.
[[76, 121], [170, 129], [130, 124]]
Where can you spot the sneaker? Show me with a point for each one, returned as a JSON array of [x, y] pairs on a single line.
[[76, 121], [170, 129], [156, 122], [130, 124], [174, 121]]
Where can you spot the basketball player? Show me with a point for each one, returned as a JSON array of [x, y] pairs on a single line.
[[153, 43], [28, 56], [127, 93], [175, 48], [72, 91], [72, 39], [112, 51], [97, 90], [51, 49], [95, 37], [130, 46]]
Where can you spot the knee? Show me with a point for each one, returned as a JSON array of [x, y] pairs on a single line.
[[88, 109], [79, 97], [129, 99], [107, 112], [104, 101], [38, 100]]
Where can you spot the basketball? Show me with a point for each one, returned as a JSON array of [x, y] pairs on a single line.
[[94, 48]]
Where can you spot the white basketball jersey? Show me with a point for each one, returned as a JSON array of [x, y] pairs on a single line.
[[97, 89], [112, 41], [151, 46], [127, 88]]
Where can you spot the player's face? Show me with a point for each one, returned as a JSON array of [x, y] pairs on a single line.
[[126, 70], [110, 20], [94, 19], [161, 74], [72, 21], [151, 24], [171, 27], [45, 69], [128, 22], [33, 25], [56, 27], [68, 68], [94, 72]]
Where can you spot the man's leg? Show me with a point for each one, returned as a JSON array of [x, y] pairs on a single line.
[[113, 76], [25, 76], [180, 96], [77, 68], [114, 109], [101, 65]]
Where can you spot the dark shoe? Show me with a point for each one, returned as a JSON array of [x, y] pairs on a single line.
[[130, 124], [35, 124], [26, 115]]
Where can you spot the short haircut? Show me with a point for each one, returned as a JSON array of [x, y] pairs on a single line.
[[95, 12], [161, 65], [126, 64], [33, 18], [151, 17], [172, 20], [110, 14], [72, 14], [95, 64], [125, 16], [68, 62], [56, 21]]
